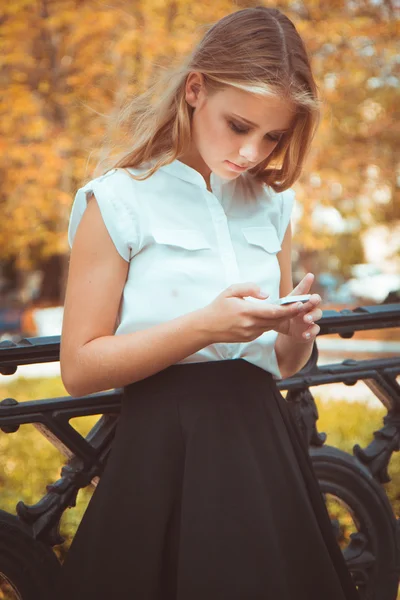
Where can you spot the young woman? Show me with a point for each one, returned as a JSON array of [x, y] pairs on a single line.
[[208, 493]]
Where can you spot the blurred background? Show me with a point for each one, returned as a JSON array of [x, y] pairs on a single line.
[[65, 68]]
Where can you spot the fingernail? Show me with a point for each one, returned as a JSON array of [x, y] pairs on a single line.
[[299, 305], [308, 318], [263, 294], [308, 335]]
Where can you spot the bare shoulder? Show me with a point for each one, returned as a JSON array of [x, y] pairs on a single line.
[[96, 278]]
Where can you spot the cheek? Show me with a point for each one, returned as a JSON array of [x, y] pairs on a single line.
[[201, 129], [218, 137], [213, 138]]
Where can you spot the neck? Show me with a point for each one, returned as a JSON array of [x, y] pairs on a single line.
[[192, 159]]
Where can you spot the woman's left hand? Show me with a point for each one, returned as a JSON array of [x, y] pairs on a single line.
[[303, 327]]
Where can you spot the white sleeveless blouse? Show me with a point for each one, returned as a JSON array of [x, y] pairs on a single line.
[[185, 245]]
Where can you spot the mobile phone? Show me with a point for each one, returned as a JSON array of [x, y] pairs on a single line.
[[291, 299]]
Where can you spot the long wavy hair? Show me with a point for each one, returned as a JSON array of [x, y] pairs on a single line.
[[257, 50]]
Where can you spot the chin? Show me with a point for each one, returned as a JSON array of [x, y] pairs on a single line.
[[232, 175]]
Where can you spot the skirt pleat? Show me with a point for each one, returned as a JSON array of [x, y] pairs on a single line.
[[208, 494]]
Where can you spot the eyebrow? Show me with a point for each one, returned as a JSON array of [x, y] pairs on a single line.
[[257, 126]]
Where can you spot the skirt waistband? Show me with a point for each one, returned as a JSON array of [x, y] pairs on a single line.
[[226, 371]]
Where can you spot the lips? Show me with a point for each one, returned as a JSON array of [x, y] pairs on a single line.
[[235, 166]]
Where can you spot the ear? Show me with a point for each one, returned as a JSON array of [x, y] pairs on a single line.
[[193, 88]]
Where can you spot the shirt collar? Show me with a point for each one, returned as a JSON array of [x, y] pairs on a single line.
[[182, 171]]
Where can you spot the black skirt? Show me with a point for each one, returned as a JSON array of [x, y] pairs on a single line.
[[208, 494]]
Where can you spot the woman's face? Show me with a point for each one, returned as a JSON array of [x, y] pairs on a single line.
[[232, 127]]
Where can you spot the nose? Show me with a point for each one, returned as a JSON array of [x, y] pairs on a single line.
[[251, 152]]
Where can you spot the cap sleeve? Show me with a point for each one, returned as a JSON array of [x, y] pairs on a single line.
[[287, 202], [116, 198]]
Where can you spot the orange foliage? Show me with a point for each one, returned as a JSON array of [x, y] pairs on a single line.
[[66, 63]]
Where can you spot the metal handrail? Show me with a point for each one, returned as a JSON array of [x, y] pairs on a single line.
[[345, 322]]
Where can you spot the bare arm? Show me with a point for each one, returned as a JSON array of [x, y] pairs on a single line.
[[291, 355], [92, 358]]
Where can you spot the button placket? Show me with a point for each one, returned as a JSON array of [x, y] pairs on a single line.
[[231, 350], [225, 245]]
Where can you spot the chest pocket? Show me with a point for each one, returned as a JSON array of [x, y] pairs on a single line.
[[264, 237], [189, 239]]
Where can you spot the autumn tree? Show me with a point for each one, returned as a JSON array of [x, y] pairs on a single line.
[[66, 65]]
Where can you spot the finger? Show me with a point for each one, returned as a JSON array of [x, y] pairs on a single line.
[[275, 311], [242, 290], [313, 316], [311, 332], [313, 302], [304, 286]]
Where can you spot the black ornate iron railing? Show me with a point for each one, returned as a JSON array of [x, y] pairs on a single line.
[[372, 555]]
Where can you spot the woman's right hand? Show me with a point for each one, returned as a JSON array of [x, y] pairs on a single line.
[[231, 318]]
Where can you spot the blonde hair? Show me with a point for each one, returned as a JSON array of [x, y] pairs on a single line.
[[257, 50]]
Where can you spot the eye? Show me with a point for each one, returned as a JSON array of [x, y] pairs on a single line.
[[237, 129], [274, 138], [243, 130]]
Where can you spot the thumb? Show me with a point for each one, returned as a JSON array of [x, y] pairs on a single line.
[[241, 290], [304, 286]]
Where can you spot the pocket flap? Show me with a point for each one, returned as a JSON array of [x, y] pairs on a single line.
[[190, 239], [265, 237]]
